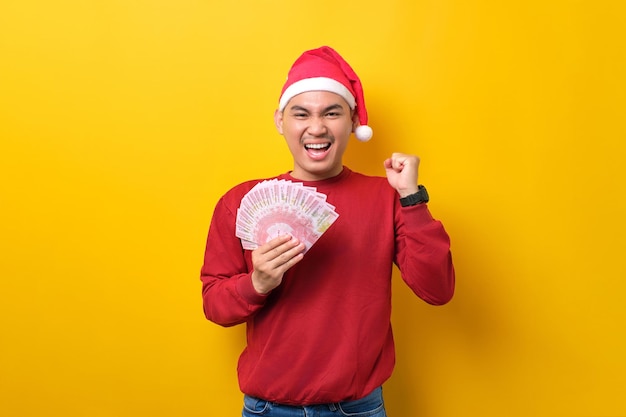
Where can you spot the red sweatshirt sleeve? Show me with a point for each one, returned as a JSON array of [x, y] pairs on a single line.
[[227, 293], [423, 254]]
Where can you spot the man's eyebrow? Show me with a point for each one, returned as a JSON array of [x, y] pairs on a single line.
[[333, 107], [298, 108]]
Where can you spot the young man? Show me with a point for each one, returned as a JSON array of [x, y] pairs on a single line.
[[319, 338]]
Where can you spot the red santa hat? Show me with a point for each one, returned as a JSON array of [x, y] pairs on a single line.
[[323, 69]]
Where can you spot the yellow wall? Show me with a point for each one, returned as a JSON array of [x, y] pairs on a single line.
[[122, 122]]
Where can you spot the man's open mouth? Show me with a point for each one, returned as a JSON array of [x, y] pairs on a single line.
[[317, 147]]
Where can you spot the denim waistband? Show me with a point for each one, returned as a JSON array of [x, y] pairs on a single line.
[[376, 394]]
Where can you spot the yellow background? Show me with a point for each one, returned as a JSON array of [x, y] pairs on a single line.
[[123, 121]]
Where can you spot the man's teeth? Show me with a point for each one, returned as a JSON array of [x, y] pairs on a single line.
[[317, 145]]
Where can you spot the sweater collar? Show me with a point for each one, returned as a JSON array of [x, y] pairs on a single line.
[[345, 172]]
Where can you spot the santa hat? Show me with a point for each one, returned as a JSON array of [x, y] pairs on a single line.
[[323, 69]]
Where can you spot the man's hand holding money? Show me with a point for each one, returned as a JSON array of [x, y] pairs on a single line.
[[272, 259]]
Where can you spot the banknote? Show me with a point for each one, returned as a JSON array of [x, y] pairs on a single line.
[[277, 207]]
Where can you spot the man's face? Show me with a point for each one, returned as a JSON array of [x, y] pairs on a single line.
[[317, 126]]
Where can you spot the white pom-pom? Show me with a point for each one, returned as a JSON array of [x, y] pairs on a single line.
[[363, 133]]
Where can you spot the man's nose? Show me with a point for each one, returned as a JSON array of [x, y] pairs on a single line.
[[317, 127]]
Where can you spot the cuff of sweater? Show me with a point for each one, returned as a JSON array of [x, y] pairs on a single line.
[[417, 215], [247, 291]]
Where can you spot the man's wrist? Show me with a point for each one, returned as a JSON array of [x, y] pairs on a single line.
[[258, 287], [408, 191]]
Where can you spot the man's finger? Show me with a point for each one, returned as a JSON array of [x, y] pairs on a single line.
[[275, 243]]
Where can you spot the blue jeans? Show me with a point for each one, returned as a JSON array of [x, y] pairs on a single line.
[[371, 405]]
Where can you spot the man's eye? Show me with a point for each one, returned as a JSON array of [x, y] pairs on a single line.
[[333, 114], [299, 115]]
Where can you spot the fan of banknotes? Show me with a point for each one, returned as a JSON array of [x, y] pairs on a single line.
[[277, 207]]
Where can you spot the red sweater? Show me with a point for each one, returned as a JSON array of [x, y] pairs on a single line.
[[324, 335]]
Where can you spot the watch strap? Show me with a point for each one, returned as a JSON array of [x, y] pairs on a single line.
[[421, 196]]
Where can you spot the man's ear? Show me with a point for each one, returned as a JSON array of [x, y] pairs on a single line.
[[355, 120], [278, 121]]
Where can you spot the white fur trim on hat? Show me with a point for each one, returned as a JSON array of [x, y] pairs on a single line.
[[316, 84]]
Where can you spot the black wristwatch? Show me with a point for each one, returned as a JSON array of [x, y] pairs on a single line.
[[421, 196]]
